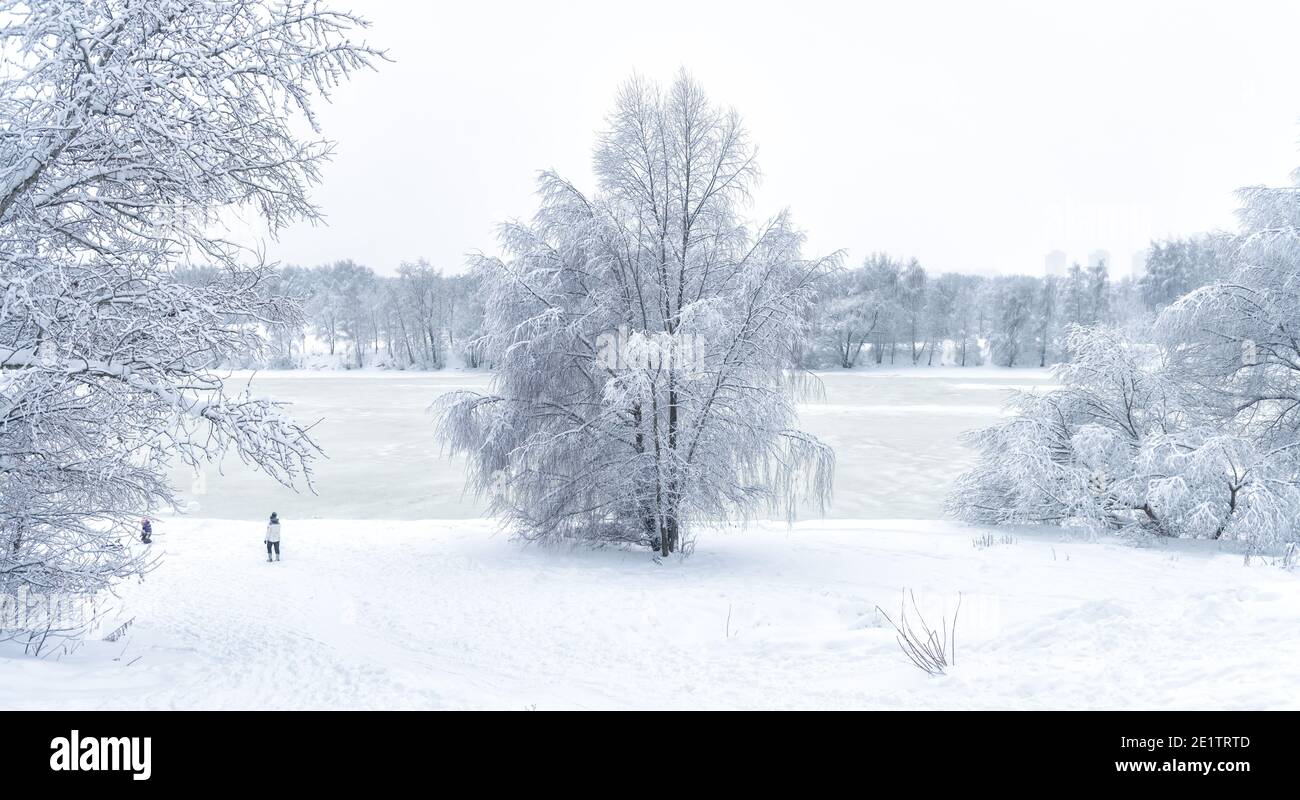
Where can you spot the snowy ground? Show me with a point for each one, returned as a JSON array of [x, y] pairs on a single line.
[[388, 611], [446, 615]]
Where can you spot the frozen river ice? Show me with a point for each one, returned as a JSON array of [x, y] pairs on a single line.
[[896, 434]]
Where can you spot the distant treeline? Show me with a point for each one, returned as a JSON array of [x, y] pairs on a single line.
[[353, 317], [891, 311], [888, 311]]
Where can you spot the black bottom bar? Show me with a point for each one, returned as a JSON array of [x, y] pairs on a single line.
[[1044, 749]]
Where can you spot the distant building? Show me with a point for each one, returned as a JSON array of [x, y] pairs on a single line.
[[1098, 257], [1140, 263], [1055, 264]]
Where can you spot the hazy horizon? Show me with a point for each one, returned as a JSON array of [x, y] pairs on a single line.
[[976, 140]]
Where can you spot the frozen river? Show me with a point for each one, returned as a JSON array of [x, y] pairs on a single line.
[[896, 436]]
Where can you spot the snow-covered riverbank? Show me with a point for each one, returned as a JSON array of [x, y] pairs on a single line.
[[383, 614]]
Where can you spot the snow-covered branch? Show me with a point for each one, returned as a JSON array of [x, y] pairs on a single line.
[[125, 127]]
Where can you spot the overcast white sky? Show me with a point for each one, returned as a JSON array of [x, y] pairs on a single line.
[[975, 136]]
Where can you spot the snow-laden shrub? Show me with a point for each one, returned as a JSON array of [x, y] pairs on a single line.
[[1123, 444]]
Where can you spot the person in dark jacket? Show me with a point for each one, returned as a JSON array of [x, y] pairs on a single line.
[[146, 531], [273, 537]]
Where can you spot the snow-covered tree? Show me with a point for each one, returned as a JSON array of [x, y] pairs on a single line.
[[1175, 267], [1012, 303], [912, 304], [289, 341], [425, 295], [1125, 444], [352, 299], [125, 127], [1075, 302], [467, 323], [1236, 339], [1098, 293], [641, 337], [1194, 434], [1046, 321], [940, 314], [847, 315], [966, 316], [883, 276]]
